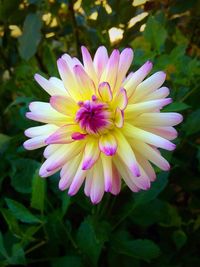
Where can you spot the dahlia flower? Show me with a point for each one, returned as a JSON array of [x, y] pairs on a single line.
[[101, 125]]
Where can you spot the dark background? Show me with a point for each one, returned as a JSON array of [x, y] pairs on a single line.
[[41, 226]]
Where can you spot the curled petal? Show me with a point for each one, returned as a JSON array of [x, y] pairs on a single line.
[[100, 60], [53, 86], [147, 106], [136, 78], [158, 119], [105, 91], [126, 58], [147, 137], [119, 118], [88, 65], [111, 70], [86, 85], [107, 170], [126, 154], [35, 142], [97, 186], [108, 144], [120, 99], [91, 154], [62, 135], [40, 130], [149, 85]]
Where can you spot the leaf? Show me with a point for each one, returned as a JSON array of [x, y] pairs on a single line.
[[22, 174], [20, 212], [11, 221], [18, 255], [155, 33], [3, 251], [143, 249], [192, 124], [71, 261], [156, 188], [4, 140], [176, 106], [179, 238], [31, 36], [90, 239], [38, 192]]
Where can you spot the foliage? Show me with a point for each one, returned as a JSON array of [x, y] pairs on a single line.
[[41, 225]]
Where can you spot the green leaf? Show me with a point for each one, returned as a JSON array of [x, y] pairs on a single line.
[[22, 174], [176, 106], [90, 239], [143, 249], [155, 33], [4, 140], [179, 238], [71, 261], [31, 36], [3, 251], [11, 221], [20, 212], [156, 188], [18, 255], [38, 192], [192, 124]]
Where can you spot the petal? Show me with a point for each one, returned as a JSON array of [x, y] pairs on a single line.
[[119, 118], [147, 106], [100, 60], [147, 137], [53, 86], [88, 65], [125, 174], [108, 144], [88, 182], [126, 58], [107, 170], [86, 85], [149, 85], [77, 181], [157, 94], [158, 119], [116, 181], [40, 130], [50, 149], [105, 91], [91, 153], [60, 157], [63, 104], [148, 169], [136, 78], [68, 79], [62, 135], [97, 186], [68, 171], [166, 132], [43, 112], [126, 154], [120, 100], [110, 73], [35, 142]]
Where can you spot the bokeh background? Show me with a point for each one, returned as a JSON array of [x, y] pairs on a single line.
[[41, 226]]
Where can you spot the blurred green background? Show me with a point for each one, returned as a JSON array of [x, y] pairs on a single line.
[[41, 226]]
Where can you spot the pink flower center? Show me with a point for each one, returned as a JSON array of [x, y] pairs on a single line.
[[93, 116]]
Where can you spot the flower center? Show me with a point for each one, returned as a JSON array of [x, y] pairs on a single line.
[[94, 117]]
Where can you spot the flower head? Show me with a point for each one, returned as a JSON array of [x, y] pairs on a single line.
[[101, 125]]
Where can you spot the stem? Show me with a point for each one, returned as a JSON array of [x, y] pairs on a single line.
[[123, 217], [74, 25], [36, 246]]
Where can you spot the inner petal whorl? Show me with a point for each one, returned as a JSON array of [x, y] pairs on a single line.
[[94, 117]]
